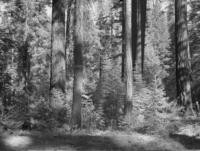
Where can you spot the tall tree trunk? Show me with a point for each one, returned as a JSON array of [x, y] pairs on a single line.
[[134, 33], [128, 47], [68, 35], [23, 53], [138, 46], [24, 57], [183, 65], [78, 68], [99, 93], [58, 73], [143, 26], [26, 46], [123, 45]]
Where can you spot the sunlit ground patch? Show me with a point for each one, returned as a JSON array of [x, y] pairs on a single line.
[[54, 149], [17, 141]]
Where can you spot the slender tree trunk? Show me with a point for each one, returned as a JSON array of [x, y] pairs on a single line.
[[183, 65], [24, 53], [58, 69], [129, 66], [134, 32], [100, 67], [78, 68], [25, 47], [99, 95], [68, 24], [139, 46], [143, 26], [123, 45]]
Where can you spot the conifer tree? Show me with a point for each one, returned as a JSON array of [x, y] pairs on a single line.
[[183, 64]]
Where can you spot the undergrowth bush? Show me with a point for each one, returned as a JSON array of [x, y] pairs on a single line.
[[151, 111], [90, 117], [109, 100]]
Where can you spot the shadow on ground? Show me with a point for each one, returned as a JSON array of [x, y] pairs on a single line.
[[187, 141], [43, 142]]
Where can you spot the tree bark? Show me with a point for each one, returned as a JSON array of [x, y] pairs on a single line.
[[128, 48], [143, 26], [123, 45], [78, 67], [183, 65], [58, 73], [134, 32], [138, 56], [68, 36]]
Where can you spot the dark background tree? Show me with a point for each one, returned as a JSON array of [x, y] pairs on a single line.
[[183, 59]]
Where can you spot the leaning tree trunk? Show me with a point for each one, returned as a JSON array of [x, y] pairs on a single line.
[[78, 67], [58, 74], [183, 65], [128, 48]]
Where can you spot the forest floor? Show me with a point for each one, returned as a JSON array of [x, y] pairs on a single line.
[[102, 141]]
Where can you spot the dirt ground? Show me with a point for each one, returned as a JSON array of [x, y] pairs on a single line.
[[98, 142]]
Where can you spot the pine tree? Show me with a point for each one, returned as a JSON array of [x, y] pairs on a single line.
[[183, 64]]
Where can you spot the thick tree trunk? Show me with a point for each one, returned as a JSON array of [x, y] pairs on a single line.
[[183, 65], [78, 68], [128, 48], [58, 73]]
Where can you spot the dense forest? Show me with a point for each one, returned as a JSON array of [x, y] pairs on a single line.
[[99, 75]]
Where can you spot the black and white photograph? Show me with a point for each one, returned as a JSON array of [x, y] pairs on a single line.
[[99, 75]]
